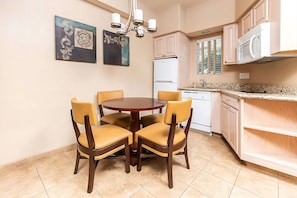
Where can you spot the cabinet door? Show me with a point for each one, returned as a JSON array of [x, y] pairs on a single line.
[[233, 127], [230, 44], [159, 45], [165, 46], [260, 12], [247, 22], [170, 49], [225, 121], [216, 112]]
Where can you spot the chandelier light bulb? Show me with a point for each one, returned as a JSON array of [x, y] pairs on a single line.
[[115, 20], [138, 14], [152, 25]]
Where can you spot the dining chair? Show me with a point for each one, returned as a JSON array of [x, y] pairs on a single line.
[[159, 117], [117, 118], [97, 142], [166, 139]]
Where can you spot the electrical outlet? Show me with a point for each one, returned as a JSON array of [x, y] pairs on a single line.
[[244, 75]]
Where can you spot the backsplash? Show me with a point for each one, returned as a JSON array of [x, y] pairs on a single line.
[[256, 88]]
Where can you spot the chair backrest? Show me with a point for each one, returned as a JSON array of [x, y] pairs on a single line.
[[182, 110], [169, 95], [81, 109], [103, 96]]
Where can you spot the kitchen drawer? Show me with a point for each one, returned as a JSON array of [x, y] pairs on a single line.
[[233, 102]]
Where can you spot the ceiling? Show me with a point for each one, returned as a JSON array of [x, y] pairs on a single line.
[[161, 4]]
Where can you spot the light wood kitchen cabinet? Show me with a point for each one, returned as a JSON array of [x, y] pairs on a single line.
[[258, 14], [283, 27], [230, 121], [247, 22], [216, 112], [166, 46], [269, 134], [261, 12], [230, 33]]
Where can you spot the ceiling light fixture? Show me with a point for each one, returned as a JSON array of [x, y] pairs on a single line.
[[135, 15]]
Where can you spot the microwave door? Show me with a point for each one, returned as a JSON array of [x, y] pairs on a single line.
[[245, 54]]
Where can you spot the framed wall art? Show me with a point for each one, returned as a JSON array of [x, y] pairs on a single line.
[[75, 41], [116, 49]]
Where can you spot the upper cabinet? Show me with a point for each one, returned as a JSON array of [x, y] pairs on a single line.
[[247, 22], [283, 27], [230, 44], [166, 46], [258, 14]]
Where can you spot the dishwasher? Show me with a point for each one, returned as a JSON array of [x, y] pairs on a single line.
[[201, 104]]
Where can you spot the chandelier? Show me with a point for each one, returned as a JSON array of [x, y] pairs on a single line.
[[135, 15]]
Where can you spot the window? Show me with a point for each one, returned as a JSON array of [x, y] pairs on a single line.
[[209, 55]]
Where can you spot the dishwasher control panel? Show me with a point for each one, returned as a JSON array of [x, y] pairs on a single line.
[[200, 95]]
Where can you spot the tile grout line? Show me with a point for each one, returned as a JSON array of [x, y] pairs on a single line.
[[45, 190]]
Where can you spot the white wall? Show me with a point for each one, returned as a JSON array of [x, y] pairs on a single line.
[[209, 14], [36, 89]]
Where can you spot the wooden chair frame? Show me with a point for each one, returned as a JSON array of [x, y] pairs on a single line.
[[169, 149], [92, 152]]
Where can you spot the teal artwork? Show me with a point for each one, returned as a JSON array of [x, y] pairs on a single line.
[[75, 41], [116, 49]]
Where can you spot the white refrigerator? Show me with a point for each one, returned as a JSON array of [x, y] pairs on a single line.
[[165, 75]]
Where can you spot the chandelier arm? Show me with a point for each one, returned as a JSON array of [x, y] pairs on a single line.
[[126, 27]]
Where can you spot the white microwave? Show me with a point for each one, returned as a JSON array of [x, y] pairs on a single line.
[[255, 44]]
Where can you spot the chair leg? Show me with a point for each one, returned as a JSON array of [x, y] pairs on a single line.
[[92, 166], [169, 170], [186, 157], [139, 150], [77, 162], [127, 153]]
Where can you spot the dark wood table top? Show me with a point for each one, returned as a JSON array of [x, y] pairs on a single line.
[[133, 104]]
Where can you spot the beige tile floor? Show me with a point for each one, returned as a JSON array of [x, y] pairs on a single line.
[[215, 172]]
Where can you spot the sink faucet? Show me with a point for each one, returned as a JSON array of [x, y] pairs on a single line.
[[203, 82]]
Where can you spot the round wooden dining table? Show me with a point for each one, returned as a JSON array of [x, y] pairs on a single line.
[[134, 105]]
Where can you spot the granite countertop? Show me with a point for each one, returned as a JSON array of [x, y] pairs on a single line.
[[249, 95], [202, 89], [264, 96]]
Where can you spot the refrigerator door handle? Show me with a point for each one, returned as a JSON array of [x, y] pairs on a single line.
[[164, 81]]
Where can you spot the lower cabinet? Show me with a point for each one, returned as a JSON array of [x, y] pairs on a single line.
[[261, 131], [230, 121], [269, 134]]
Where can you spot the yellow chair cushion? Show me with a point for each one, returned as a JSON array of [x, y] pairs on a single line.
[[150, 119], [105, 135], [158, 133], [120, 119]]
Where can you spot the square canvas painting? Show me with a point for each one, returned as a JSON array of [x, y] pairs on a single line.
[[75, 41]]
